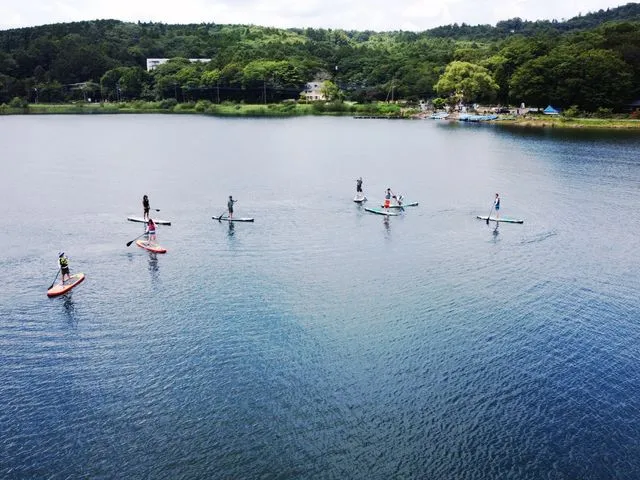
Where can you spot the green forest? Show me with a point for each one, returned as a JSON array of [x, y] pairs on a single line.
[[590, 62]]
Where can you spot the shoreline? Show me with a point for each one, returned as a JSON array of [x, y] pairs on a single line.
[[297, 110]]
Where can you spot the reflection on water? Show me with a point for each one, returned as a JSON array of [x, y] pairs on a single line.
[[470, 353], [154, 269], [70, 309], [387, 229], [231, 229]]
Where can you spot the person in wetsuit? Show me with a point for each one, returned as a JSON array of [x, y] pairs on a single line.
[[145, 207]]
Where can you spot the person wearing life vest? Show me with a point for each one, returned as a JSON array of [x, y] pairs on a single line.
[[151, 230], [145, 207], [496, 206], [63, 261], [387, 198]]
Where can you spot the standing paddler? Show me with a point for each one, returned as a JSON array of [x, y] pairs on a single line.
[[387, 198], [230, 206], [63, 261], [145, 207]]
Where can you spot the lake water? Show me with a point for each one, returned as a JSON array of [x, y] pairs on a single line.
[[320, 341]]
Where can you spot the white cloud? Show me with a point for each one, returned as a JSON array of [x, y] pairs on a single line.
[[347, 14]]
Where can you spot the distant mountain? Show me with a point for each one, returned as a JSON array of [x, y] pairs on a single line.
[[628, 12]]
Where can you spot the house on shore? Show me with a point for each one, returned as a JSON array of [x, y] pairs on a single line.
[[312, 91]]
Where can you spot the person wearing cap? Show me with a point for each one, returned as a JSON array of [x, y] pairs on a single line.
[[230, 205], [359, 185], [64, 266]]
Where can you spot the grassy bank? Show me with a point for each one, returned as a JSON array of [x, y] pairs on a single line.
[[563, 122], [291, 109]]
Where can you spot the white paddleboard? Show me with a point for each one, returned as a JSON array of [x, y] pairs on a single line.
[[142, 220], [501, 219], [238, 219]]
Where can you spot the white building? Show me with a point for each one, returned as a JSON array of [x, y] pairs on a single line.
[[154, 62], [312, 91]]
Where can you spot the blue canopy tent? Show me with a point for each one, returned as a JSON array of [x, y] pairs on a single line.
[[551, 111]]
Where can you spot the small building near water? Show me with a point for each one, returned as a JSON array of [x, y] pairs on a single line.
[[312, 91], [550, 111]]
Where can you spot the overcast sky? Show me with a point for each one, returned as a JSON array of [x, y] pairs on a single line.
[[379, 15]]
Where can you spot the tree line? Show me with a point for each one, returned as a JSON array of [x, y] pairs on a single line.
[[591, 62]]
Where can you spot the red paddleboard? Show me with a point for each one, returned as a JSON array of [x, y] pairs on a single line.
[[61, 288], [152, 247]]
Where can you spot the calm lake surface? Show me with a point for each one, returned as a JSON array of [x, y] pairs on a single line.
[[320, 341]]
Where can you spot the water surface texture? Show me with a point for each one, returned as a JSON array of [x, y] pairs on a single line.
[[320, 341]]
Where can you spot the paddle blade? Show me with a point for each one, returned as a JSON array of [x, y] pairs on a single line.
[[54, 280], [487, 220], [129, 243]]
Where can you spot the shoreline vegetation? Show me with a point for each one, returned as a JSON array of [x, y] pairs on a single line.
[[292, 109]]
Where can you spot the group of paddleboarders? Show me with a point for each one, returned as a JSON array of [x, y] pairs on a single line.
[[150, 231], [388, 195]]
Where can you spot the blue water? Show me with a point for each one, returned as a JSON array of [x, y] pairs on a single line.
[[320, 341]]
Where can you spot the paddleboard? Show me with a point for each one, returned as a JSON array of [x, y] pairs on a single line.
[[381, 211], [152, 247], [501, 219], [360, 198], [412, 204], [239, 219], [61, 288], [142, 220]]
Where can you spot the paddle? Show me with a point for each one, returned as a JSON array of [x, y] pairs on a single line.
[[490, 214], [129, 243], [54, 280]]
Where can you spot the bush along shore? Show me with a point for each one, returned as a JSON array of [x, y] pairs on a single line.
[[230, 109], [573, 119]]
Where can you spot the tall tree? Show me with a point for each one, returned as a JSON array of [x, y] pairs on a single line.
[[467, 82]]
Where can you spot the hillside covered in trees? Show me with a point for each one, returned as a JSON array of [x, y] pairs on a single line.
[[591, 61]]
